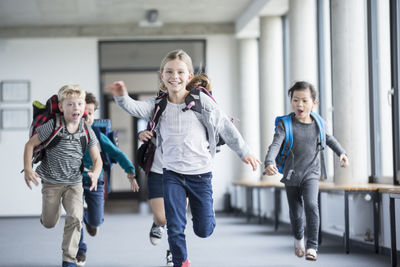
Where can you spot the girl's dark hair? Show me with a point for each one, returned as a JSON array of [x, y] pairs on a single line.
[[303, 85], [91, 99]]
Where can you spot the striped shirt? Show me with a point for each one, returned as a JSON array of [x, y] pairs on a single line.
[[61, 163]]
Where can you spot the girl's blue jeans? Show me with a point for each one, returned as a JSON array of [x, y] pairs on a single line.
[[94, 214], [198, 189]]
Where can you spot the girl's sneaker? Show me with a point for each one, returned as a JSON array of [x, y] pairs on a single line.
[[68, 264], [169, 258], [299, 248], [156, 233], [311, 254]]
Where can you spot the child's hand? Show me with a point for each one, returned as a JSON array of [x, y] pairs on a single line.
[[344, 161], [250, 159], [117, 88], [270, 170], [31, 176], [134, 184], [94, 181], [145, 135]]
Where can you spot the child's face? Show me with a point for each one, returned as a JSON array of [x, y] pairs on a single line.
[[73, 109], [90, 109], [302, 104], [176, 75]]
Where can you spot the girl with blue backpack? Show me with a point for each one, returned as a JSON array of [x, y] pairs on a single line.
[[188, 141], [299, 139]]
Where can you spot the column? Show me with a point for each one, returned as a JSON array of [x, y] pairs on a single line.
[[249, 101], [350, 88], [272, 89], [302, 41]]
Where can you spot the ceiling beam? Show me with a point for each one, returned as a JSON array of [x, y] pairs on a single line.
[[119, 30]]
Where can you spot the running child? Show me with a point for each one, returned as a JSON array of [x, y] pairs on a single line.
[[93, 216], [302, 169], [188, 141], [60, 169]]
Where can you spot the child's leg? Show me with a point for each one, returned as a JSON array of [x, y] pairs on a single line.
[[310, 197], [199, 190], [51, 200], [155, 187], [72, 203], [295, 202], [175, 211], [94, 215], [157, 207]]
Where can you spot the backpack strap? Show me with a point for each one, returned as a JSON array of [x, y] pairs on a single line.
[[321, 128], [159, 107], [287, 123], [192, 100]]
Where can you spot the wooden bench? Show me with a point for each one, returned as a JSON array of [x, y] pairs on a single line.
[[347, 189], [394, 193]]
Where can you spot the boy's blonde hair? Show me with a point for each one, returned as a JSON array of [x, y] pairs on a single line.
[[176, 54], [70, 91]]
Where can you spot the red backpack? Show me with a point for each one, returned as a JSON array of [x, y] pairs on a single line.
[[44, 113]]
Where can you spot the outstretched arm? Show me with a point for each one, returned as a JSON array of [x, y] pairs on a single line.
[[29, 173]]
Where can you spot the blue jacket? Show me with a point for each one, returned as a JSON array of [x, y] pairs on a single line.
[[114, 152]]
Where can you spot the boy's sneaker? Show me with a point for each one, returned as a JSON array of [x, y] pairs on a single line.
[[169, 258], [68, 264], [156, 233], [311, 254], [186, 263], [81, 259], [92, 230]]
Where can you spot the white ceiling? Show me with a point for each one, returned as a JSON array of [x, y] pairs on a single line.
[[95, 12], [30, 18]]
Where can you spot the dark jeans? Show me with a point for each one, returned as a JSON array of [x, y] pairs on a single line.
[[306, 193], [94, 214], [198, 189]]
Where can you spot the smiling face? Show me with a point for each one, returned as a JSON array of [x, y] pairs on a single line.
[[176, 76], [73, 109], [302, 104]]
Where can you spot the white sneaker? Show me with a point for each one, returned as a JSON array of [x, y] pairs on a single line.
[[311, 254], [156, 233], [169, 258]]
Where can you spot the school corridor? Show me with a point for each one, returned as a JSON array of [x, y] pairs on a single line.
[[123, 242]]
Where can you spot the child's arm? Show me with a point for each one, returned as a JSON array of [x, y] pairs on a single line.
[[97, 166], [115, 153], [338, 149], [273, 150], [138, 109], [29, 173]]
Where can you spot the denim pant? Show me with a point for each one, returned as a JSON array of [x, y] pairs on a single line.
[[94, 214], [198, 189], [306, 193]]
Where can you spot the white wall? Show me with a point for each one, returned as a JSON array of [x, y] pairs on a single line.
[[48, 64]]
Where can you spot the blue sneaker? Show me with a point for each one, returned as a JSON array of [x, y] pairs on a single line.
[[68, 264]]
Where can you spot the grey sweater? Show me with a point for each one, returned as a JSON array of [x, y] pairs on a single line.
[[303, 161]]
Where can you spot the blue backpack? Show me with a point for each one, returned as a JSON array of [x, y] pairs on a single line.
[[104, 126], [288, 142]]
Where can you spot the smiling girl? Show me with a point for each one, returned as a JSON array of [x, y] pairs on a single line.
[[188, 144]]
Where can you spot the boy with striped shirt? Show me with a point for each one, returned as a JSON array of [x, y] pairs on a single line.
[[60, 169]]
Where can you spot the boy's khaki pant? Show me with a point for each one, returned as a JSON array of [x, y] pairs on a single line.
[[71, 198]]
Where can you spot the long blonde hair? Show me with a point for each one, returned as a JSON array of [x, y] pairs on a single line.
[[176, 54]]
